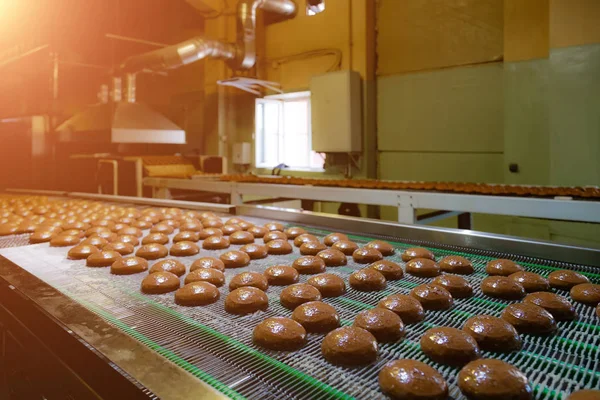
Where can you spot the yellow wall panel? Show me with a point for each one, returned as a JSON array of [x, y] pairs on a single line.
[[417, 35], [574, 22], [526, 29]]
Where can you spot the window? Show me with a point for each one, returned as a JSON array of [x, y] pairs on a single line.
[[314, 7], [283, 133]]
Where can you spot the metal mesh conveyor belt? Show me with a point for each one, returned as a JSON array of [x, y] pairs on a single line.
[[217, 347]]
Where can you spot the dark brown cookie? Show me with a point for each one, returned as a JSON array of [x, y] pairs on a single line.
[[281, 275], [493, 334], [383, 247], [412, 380], [235, 259], [502, 267], [586, 293], [333, 257], [184, 249], [102, 258], [389, 269], [210, 275], [408, 308], [456, 265], [330, 239], [316, 317], [417, 252], [197, 294], [529, 318], [279, 247], [491, 379], [309, 265], [255, 251], [300, 293], [208, 262], [170, 265], [366, 255], [349, 346], [367, 280], [246, 300], [129, 266], [278, 333], [458, 286], [422, 267], [432, 297], [531, 282], [449, 346], [560, 307], [329, 285], [215, 243], [502, 287], [384, 324], [160, 282], [312, 248], [249, 278], [152, 251]]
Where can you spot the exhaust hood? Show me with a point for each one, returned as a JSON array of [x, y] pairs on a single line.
[[121, 122]]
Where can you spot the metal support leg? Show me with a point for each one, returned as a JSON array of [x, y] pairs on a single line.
[[406, 211], [465, 221]]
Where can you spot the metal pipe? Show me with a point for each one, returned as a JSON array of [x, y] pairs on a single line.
[[246, 28], [241, 55], [179, 54], [135, 40], [130, 89], [22, 55]]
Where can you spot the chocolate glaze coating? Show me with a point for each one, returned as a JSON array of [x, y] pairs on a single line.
[[502, 287], [456, 265], [312, 248], [366, 255], [586, 293], [212, 223], [493, 334], [274, 235], [412, 380], [531, 282], [586, 394], [281, 275], [255, 251], [210, 275], [102, 258], [64, 240], [133, 231], [186, 236], [491, 379], [274, 226], [529, 318], [156, 237], [560, 307], [245, 225], [333, 257], [384, 324], [191, 226], [122, 248], [207, 262], [184, 249], [367, 280], [152, 251], [241, 237], [304, 238], [422, 267], [349, 346], [458, 286], [160, 282], [309, 265], [389, 269], [300, 293], [502, 267], [417, 252], [329, 285], [316, 317], [294, 232], [249, 278], [162, 228], [41, 236], [95, 241], [347, 247], [258, 231], [235, 259], [246, 300], [215, 243], [208, 232], [330, 239], [81, 251], [170, 265], [129, 266], [232, 228], [449, 346], [408, 308], [278, 333], [197, 294], [432, 297], [566, 279], [383, 247], [279, 247], [133, 240]]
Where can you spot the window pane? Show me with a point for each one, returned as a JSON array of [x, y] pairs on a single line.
[[271, 118], [295, 117], [270, 150]]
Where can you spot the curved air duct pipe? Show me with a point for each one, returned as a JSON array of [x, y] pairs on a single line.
[[241, 55]]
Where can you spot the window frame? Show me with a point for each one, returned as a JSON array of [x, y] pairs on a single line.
[[280, 100]]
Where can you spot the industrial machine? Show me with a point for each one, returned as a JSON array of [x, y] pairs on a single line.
[[99, 336]]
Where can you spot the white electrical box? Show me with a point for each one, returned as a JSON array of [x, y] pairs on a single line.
[[336, 112], [241, 153]]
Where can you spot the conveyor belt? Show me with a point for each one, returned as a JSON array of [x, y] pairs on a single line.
[[217, 347]]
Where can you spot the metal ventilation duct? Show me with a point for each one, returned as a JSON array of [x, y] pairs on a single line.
[[241, 55]]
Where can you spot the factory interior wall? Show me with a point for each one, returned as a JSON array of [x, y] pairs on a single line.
[[461, 89], [467, 87]]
